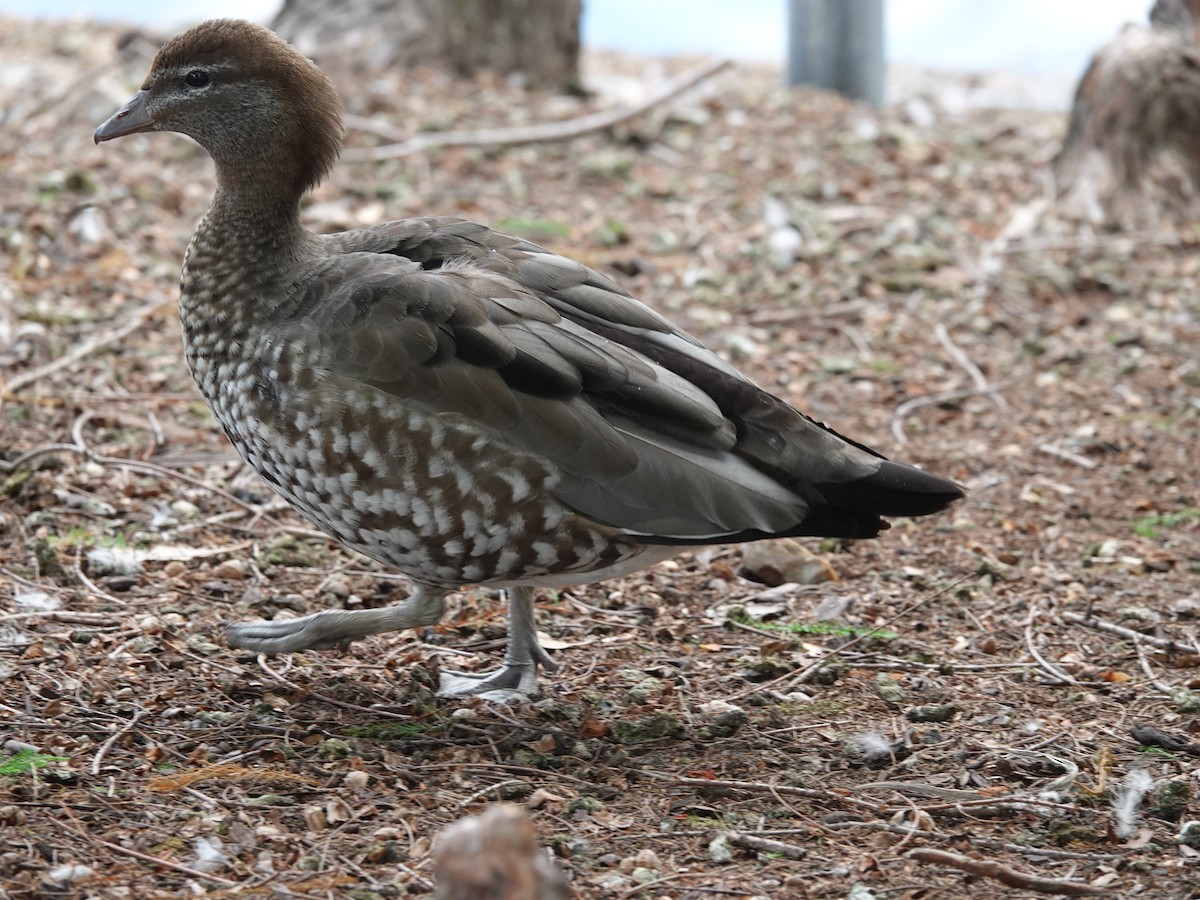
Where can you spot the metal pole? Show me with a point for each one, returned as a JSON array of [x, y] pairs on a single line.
[[837, 45]]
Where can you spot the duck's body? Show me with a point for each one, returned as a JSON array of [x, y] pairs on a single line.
[[456, 403]]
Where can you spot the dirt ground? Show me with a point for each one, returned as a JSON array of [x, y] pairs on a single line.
[[995, 700]]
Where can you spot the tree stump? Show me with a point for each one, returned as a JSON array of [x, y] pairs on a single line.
[[536, 40], [1131, 156]]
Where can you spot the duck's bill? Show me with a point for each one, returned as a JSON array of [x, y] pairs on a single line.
[[129, 119]]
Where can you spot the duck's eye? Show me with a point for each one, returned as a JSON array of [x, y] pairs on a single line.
[[196, 78]]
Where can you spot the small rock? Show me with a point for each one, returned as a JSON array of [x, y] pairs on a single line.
[[784, 561], [783, 245], [230, 570], [1189, 835], [89, 226], [69, 872], [720, 850], [34, 601], [648, 859], [889, 689], [334, 748], [722, 720], [942, 713], [831, 609], [356, 780], [185, 509], [633, 731], [642, 875], [113, 561]]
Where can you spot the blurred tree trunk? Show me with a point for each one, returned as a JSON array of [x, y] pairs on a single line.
[[1131, 156], [537, 40]]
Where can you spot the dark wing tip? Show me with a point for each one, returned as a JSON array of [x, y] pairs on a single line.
[[895, 489]]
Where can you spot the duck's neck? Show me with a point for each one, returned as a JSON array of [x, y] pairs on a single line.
[[255, 219]]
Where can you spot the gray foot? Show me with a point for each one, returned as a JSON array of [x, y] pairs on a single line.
[[517, 678], [335, 627]]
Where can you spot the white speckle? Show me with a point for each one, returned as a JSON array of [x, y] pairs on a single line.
[[518, 482], [464, 480], [420, 513], [546, 554]]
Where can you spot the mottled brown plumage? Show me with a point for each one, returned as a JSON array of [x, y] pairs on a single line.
[[456, 403]]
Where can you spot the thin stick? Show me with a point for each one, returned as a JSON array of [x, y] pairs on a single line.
[[1055, 672], [915, 403], [119, 462], [1128, 633], [139, 318], [463, 804], [756, 787], [988, 868], [814, 667], [955, 352], [1092, 242], [1144, 662], [765, 845], [125, 729], [529, 134], [1066, 455], [83, 834]]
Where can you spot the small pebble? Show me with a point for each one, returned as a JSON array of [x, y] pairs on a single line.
[[230, 570]]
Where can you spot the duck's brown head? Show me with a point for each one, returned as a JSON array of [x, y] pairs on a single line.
[[264, 112]]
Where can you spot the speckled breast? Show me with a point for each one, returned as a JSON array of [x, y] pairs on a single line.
[[430, 495]]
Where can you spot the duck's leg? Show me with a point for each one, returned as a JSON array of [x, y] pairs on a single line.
[[334, 627], [518, 676]]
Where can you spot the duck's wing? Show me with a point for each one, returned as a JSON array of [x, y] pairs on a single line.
[[649, 431]]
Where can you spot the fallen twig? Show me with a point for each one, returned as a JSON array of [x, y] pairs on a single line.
[[764, 845], [915, 403], [107, 745], [139, 318], [955, 352], [1144, 662], [1066, 455], [484, 791], [1127, 633], [809, 671], [1060, 675], [757, 787], [529, 134], [988, 868], [82, 834], [81, 448], [1093, 242]]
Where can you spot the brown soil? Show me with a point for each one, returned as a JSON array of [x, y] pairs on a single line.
[[960, 693]]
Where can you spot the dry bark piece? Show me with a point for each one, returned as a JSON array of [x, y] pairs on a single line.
[[495, 856]]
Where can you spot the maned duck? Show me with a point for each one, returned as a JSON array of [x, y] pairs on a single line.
[[458, 404]]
